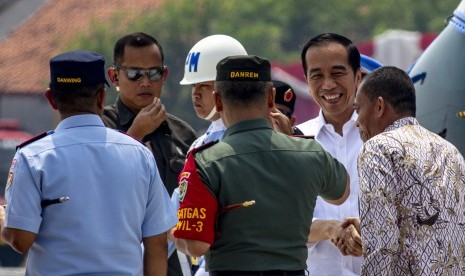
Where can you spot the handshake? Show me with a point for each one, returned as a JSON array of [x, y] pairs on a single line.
[[348, 239]]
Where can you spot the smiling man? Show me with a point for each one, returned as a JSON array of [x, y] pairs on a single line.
[[331, 64]]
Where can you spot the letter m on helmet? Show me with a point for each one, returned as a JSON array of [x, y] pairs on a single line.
[[193, 61]]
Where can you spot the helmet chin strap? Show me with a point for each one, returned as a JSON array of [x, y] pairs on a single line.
[[212, 113]]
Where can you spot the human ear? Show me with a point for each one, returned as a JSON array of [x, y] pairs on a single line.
[[113, 75], [380, 106], [218, 102], [271, 97], [48, 96], [101, 98]]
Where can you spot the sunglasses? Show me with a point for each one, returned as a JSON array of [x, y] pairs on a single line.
[[137, 74]]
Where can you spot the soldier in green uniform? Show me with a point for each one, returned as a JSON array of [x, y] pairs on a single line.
[[277, 177]]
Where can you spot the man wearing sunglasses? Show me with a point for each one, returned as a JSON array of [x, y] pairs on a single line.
[[138, 73]]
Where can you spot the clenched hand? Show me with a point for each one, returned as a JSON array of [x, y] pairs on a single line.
[[148, 119]]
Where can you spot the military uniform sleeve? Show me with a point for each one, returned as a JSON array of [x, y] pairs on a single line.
[[198, 206], [378, 214], [335, 182]]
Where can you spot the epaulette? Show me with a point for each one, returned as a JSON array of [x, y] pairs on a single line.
[[204, 146], [304, 136], [35, 138]]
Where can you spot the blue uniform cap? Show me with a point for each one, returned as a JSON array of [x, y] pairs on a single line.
[[77, 69]]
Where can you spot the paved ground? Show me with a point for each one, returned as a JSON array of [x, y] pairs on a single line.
[[6, 271]]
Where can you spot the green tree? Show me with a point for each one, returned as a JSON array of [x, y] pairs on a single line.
[[268, 28]]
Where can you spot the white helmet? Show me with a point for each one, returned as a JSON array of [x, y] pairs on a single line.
[[201, 60]]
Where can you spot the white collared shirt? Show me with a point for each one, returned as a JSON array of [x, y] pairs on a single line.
[[214, 132], [323, 257]]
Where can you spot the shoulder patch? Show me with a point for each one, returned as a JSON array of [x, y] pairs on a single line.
[[11, 175], [33, 139], [204, 146], [297, 131], [304, 136]]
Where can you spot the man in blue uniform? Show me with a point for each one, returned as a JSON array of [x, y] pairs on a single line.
[[217, 182], [82, 198]]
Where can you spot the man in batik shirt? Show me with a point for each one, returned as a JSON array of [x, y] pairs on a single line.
[[412, 185]]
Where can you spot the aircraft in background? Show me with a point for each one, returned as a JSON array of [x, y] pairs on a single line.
[[439, 78]]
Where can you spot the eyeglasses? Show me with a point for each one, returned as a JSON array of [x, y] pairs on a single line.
[[137, 74]]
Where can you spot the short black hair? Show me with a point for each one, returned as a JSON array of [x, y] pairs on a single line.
[[327, 38], [240, 93], [394, 86], [80, 99], [138, 39]]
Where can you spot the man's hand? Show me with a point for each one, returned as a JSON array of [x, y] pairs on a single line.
[[355, 221], [148, 119], [350, 241], [170, 234], [280, 122]]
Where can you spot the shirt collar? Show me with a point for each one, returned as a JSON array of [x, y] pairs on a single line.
[[79, 121], [321, 122], [246, 126], [406, 121], [125, 114], [217, 125]]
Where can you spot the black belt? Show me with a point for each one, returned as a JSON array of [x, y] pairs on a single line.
[[258, 273]]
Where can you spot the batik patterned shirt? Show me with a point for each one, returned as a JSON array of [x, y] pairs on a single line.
[[412, 197]]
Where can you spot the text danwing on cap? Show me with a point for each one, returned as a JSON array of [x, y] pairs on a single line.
[[77, 69], [243, 68]]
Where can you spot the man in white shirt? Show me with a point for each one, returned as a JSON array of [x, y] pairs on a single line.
[[332, 69]]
